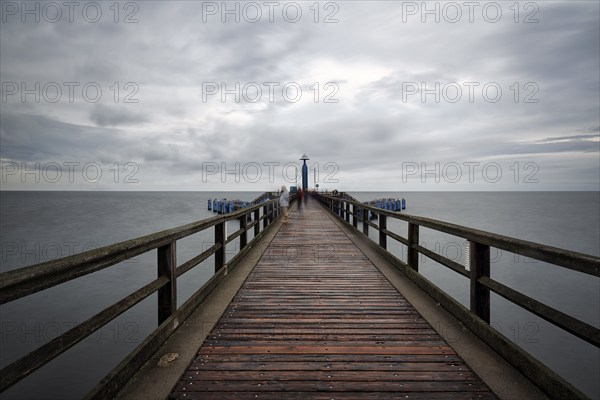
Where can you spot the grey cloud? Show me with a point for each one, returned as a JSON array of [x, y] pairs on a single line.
[[572, 138], [578, 146], [370, 52], [39, 138], [114, 116]]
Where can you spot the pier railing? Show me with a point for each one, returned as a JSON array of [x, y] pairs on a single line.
[[29, 280], [477, 317]]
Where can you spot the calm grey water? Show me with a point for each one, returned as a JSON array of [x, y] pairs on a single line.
[[39, 226]]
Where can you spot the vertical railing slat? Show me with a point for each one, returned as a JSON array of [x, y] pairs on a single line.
[[244, 234], [220, 238], [480, 266], [347, 211], [413, 240], [167, 295], [266, 215], [257, 220], [382, 227]]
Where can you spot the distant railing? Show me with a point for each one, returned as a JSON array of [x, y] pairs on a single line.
[[264, 197], [478, 317], [26, 281]]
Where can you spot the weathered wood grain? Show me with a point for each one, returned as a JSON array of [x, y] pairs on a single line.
[[316, 319]]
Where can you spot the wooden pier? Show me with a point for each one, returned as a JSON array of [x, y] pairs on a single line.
[[312, 309], [316, 319]]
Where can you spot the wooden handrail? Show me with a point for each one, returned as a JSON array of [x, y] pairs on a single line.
[[29, 280], [580, 262]]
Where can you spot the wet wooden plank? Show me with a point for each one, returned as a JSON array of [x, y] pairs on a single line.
[[331, 386], [366, 375], [262, 359], [191, 395], [305, 337], [326, 348], [316, 319], [325, 365]]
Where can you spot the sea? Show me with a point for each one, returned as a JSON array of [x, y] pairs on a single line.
[[38, 226]]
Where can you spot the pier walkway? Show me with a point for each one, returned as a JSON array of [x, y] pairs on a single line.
[[316, 319]]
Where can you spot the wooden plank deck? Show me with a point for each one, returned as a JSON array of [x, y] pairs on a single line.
[[316, 320]]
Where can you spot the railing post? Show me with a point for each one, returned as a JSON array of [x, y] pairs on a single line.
[[266, 215], [366, 222], [413, 240], [167, 295], [220, 239], [244, 234], [347, 212], [382, 235], [257, 220], [480, 266], [354, 216]]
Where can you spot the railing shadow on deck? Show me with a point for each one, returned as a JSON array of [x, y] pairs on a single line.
[[477, 318], [29, 280]]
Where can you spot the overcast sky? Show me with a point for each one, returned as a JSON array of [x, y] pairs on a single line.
[[381, 96]]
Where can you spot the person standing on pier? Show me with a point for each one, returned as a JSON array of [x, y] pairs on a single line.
[[284, 202], [300, 197]]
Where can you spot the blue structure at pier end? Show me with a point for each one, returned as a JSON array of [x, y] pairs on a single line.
[[304, 172]]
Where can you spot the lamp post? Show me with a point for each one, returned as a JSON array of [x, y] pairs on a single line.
[[304, 172]]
